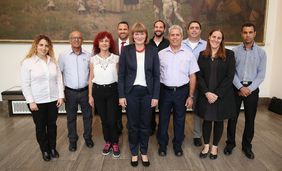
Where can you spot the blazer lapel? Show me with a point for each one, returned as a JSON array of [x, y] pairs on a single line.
[[147, 60], [133, 56]]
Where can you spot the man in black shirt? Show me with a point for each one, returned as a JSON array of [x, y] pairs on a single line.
[[159, 42]]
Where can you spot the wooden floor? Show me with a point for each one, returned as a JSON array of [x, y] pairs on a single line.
[[19, 149]]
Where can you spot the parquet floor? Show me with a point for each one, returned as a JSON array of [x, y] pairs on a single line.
[[19, 149]]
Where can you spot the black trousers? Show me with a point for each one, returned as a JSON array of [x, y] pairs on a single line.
[[139, 113], [45, 125], [250, 107], [172, 99], [73, 99], [119, 121], [153, 120], [217, 131], [106, 102]]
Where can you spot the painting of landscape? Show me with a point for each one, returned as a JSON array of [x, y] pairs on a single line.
[[21, 21]]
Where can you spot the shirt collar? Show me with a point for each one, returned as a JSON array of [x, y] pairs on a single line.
[[253, 45], [37, 59], [180, 49], [127, 41], [163, 39], [82, 51], [186, 41]]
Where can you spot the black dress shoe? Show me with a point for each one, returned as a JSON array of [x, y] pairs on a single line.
[[134, 163], [72, 146], [145, 163], [248, 153], [162, 151], [54, 153], [46, 156], [178, 150], [228, 150], [197, 142], [89, 143]]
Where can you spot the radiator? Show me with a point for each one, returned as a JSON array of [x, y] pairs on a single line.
[[20, 107]]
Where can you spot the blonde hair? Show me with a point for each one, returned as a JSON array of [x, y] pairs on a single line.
[[139, 27], [33, 49]]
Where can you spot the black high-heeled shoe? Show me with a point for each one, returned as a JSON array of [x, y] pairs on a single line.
[[203, 155], [134, 163], [145, 163], [214, 156]]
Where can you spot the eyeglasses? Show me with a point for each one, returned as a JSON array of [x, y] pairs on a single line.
[[76, 38]]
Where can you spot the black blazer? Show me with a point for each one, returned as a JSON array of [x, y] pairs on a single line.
[[225, 72], [128, 69]]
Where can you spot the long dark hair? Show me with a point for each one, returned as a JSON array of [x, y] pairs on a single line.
[[221, 51]]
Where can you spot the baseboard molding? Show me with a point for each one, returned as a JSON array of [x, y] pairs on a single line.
[[264, 101], [4, 104]]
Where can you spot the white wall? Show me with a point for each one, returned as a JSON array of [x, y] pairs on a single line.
[[13, 53], [11, 57], [275, 83]]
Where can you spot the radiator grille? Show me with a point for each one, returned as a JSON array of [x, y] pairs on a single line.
[[20, 107]]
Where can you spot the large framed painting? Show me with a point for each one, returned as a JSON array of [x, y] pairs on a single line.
[[21, 20]]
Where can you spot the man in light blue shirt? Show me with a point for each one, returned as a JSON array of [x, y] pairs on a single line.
[[74, 65], [250, 72], [178, 80], [195, 44]]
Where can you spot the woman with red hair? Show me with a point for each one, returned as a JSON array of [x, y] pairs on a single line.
[[103, 90]]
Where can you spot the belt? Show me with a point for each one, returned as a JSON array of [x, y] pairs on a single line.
[[174, 88], [246, 83], [104, 85], [77, 90]]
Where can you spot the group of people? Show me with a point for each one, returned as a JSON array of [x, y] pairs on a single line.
[[138, 75]]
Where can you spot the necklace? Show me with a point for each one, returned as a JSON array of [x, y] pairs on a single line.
[[104, 55], [141, 50]]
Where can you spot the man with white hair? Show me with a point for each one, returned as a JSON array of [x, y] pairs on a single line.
[[178, 80]]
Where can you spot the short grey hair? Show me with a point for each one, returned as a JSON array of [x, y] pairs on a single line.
[[175, 27]]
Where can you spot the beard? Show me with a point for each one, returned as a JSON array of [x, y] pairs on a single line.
[[248, 42], [158, 34]]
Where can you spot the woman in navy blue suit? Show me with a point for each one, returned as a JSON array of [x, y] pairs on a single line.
[[139, 84]]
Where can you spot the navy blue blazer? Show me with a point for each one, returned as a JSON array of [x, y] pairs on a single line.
[[128, 68]]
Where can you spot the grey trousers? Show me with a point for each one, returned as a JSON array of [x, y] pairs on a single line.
[[197, 130]]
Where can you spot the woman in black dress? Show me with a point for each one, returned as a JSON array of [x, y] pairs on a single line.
[[215, 96]]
